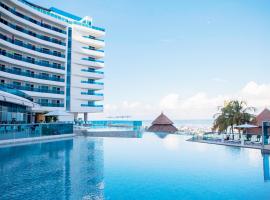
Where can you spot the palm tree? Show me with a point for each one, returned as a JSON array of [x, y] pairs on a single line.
[[233, 113]]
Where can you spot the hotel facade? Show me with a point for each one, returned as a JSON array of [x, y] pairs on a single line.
[[51, 57]]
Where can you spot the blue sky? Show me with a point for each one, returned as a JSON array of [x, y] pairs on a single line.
[[178, 50]]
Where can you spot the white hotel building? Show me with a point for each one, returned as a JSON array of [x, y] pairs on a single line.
[[52, 56]]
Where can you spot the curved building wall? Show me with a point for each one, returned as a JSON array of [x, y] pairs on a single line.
[[53, 56]]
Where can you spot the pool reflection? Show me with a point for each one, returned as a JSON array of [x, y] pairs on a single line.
[[68, 169], [266, 168]]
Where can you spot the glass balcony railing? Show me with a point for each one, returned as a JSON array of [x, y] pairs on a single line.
[[62, 18], [95, 83], [27, 74], [46, 104], [92, 71], [94, 38], [30, 60], [92, 94], [93, 60], [12, 10], [100, 50], [11, 90], [26, 88], [42, 37], [93, 106], [31, 47]]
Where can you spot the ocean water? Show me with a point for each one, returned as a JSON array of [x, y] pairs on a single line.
[[155, 166]]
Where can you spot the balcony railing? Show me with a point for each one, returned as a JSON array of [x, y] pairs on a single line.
[[42, 37], [61, 18], [16, 131], [93, 60], [92, 106], [89, 48], [92, 71], [14, 91], [27, 74], [28, 46], [92, 94], [33, 89], [93, 38], [46, 104], [28, 60], [90, 82], [12, 10]]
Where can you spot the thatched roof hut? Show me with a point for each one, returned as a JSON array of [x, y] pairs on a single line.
[[162, 124]]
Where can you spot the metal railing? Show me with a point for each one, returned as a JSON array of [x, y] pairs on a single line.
[[14, 91], [16, 131], [27, 74], [93, 106], [92, 71], [46, 104], [20, 87], [90, 48], [62, 18], [42, 37], [92, 94], [95, 83], [30, 60], [13, 11], [93, 60], [31, 47]]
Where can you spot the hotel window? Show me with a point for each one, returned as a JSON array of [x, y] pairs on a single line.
[[45, 62], [16, 83], [44, 50], [19, 42], [31, 46], [18, 56], [30, 59], [44, 75]]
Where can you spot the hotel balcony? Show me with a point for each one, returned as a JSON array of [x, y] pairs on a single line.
[[88, 30], [91, 41], [91, 63], [32, 61], [32, 89], [26, 48], [29, 35], [91, 96], [90, 73], [41, 12], [28, 21], [92, 85], [29, 77], [95, 53]]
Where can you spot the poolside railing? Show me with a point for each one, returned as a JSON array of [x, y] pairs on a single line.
[[16, 131]]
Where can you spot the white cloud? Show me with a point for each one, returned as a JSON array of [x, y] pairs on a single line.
[[197, 106]]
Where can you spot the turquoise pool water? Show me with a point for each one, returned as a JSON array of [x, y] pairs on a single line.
[[152, 167]]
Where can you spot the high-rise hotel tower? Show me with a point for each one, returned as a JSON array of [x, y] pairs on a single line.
[[53, 56]]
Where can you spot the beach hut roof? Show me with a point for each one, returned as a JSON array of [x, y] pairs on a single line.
[[162, 124], [162, 120], [263, 116]]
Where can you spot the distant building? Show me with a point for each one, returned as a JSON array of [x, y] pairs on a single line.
[[162, 124], [262, 117], [53, 56]]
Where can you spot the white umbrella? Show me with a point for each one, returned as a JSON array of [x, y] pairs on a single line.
[[58, 113], [245, 126]]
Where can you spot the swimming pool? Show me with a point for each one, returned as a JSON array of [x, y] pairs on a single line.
[[152, 167]]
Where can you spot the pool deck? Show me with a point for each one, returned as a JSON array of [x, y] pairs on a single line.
[[266, 149], [31, 140]]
